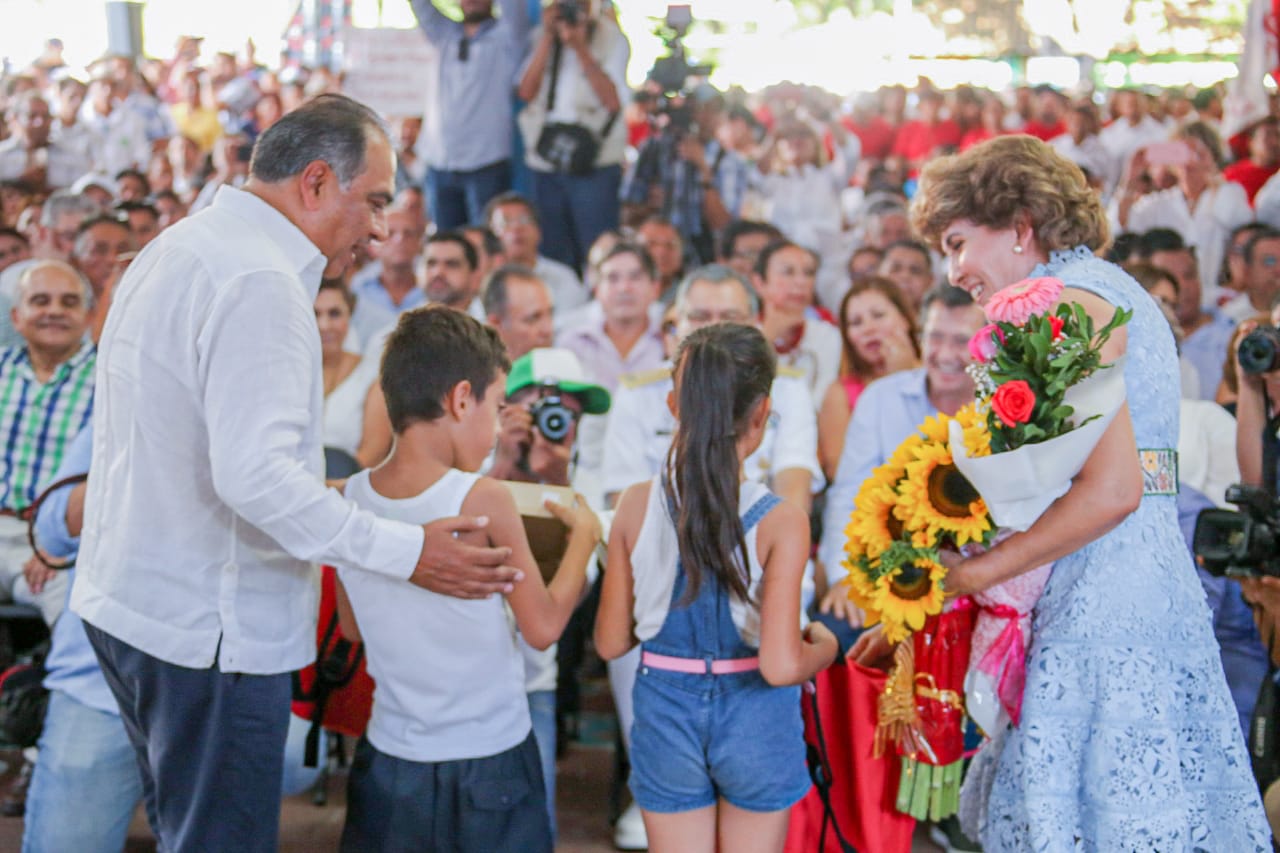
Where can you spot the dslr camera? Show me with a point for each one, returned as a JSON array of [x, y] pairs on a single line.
[[1259, 351], [551, 416], [1244, 543]]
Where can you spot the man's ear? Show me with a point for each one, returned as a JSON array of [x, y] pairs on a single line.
[[314, 183], [459, 400]]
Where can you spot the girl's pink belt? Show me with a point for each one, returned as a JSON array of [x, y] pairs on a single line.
[[699, 666]]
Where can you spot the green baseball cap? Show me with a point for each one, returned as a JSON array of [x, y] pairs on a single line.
[[561, 368]]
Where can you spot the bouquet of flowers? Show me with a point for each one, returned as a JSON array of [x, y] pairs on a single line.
[[1044, 400], [908, 510], [913, 505], [1044, 396]]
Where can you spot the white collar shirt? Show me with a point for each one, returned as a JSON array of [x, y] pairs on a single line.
[[207, 506], [63, 164]]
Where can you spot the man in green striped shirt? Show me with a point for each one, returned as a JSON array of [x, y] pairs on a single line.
[[46, 397]]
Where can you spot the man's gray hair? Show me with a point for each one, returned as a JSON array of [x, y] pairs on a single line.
[[332, 128], [63, 202], [716, 274], [51, 264], [494, 297]]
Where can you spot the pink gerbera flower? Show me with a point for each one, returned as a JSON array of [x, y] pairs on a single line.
[[1021, 301]]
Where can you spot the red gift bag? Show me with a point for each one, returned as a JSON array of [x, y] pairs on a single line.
[[347, 707], [863, 788]]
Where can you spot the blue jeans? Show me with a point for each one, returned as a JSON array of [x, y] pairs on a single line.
[[542, 711], [457, 199], [86, 783], [575, 210]]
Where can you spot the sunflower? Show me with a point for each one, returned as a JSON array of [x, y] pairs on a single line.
[[872, 527], [935, 428], [862, 591], [939, 500], [906, 596], [977, 436]]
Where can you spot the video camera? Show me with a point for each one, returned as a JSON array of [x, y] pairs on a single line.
[[1244, 543], [672, 72]]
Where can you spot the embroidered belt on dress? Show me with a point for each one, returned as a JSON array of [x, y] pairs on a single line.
[[1159, 470], [699, 666]]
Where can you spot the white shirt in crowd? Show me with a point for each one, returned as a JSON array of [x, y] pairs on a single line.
[[1122, 139], [567, 290], [1220, 209], [641, 428], [120, 139], [344, 407], [63, 164], [208, 508], [1207, 449], [1091, 154], [817, 356]]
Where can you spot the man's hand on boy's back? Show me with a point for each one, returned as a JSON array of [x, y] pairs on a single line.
[[450, 566]]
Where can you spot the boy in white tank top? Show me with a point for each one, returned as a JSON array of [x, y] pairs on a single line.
[[449, 760]]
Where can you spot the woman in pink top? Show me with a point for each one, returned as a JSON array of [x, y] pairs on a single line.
[[879, 334]]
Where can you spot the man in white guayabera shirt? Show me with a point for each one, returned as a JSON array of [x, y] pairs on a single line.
[[206, 508]]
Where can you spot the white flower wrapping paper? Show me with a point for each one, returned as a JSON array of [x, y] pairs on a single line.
[[1019, 485]]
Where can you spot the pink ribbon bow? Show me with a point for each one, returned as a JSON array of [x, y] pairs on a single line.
[[1006, 660]]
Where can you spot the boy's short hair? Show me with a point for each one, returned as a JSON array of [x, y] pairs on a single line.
[[431, 350]]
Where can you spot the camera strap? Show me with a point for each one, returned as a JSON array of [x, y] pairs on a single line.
[[557, 49]]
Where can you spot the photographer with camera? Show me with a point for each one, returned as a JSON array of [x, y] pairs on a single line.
[[572, 86], [686, 175], [547, 395]]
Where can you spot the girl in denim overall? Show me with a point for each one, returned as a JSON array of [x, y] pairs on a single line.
[[704, 570]]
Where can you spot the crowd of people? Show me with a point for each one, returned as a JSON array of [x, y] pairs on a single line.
[[211, 270]]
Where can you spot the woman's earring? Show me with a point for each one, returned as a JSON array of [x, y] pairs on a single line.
[[1017, 250]]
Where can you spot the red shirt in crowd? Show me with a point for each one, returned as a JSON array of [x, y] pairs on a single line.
[[1249, 175], [976, 136], [917, 140], [1044, 132], [876, 136]]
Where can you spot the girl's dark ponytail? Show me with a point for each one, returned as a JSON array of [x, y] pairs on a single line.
[[722, 372]]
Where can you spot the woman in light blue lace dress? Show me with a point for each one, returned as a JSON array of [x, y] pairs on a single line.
[[1128, 738]]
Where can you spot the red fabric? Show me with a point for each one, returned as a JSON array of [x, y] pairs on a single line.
[[975, 137], [876, 136], [1043, 131], [347, 711], [638, 132], [918, 141], [1249, 175], [864, 788]]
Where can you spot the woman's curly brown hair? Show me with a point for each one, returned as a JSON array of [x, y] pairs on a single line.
[[999, 182]]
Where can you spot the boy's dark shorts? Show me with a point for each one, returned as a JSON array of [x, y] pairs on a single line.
[[485, 805]]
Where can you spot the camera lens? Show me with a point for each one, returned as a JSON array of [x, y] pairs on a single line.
[[552, 418], [1260, 350]]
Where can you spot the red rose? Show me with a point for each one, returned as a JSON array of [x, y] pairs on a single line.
[[1055, 326], [1013, 402]]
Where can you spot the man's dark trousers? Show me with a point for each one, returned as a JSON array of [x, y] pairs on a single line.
[[210, 747]]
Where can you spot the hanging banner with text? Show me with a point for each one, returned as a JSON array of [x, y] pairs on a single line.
[[389, 69]]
